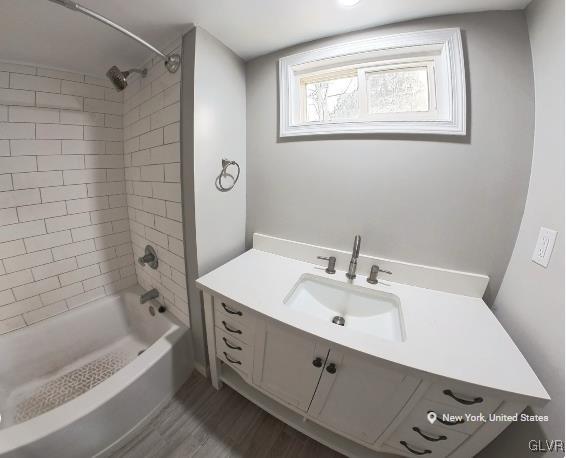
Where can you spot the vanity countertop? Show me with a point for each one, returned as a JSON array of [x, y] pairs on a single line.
[[449, 335]]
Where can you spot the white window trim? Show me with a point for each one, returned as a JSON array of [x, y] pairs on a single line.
[[451, 92]]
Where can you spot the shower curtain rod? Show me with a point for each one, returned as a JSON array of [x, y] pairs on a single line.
[[172, 61]]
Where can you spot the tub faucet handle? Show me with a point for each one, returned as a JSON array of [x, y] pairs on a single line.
[[150, 257]]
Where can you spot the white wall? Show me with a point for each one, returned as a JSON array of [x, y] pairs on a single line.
[[214, 127], [153, 180], [530, 303], [447, 202], [64, 232]]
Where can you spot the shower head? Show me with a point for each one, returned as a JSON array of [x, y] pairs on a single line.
[[119, 78]]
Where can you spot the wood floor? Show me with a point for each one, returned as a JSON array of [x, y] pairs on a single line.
[[203, 422]]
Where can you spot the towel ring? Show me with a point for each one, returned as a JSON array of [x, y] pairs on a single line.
[[225, 164]]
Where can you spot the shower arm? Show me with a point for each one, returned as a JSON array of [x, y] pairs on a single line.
[[172, 61]]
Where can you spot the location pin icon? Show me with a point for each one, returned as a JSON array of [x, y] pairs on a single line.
[[431, 417]]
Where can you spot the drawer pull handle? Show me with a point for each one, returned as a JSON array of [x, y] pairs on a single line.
[[230, 360], [331, 368], [466, 402], [230, 311], [229, 329], [427, 437], [317, 362], [448, 423], [229, 345], [412, 450]]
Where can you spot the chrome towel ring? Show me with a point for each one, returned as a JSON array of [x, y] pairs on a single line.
[[224, 173]]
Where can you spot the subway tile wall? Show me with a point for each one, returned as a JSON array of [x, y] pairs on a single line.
[[64, 227], [152, 159]]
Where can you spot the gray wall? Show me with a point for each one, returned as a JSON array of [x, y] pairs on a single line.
[[214, 127], [448, 202], [530, 303]]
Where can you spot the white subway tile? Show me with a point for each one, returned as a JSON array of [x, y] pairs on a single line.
[[6, 297], [169, 227], [177, 262], [151, 139], [17, 308], [112, 214], [167, 115], [132, 145], [147, 219], [106, 189], [91, 232], [73, 249], [37, 179], [35, 147], [95, 257], [107, 161], [16, 198], [174, 211], [152, 173], [8, 216], [115, 174], [59, 131], [141, 157], [79, 275], [119, 285], [88, 204], [81, 118], [26, 261], [41, 211], [173, 172], [62, 293], [101, 280], [65, 102], [15, 279], [44, 313], [142, 188], [155, 206], [88, 175], [113, 121], [12, 248], [167, 191], [6, 183], [126, 248], [17, 68], [60, 162], [29, 114], [103, 133], [15, 97], [57, 193], [133, 173], [120, 225], [12, 324], [98, 81], [55, 268], [116, 263], [164, 154], [4, 79], [67, 222], [83, 147], [85, 298], [174, 287], [128, 270], [13, 130], [53, 73], [82, 89], [34, 83], [3, 113], [156, 237], [4, 147], [111, 240], [118, 200], [43, 242], [176, 247], [18, 164], [114, 147], [102, 106]]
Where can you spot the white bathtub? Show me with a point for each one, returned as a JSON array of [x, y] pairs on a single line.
[[89, 354]]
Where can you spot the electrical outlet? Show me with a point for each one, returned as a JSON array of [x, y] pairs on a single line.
[[544, 246]]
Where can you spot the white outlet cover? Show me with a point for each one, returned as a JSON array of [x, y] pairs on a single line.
[[544, 246]]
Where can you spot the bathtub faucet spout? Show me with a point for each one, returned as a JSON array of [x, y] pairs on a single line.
[[148, 295]]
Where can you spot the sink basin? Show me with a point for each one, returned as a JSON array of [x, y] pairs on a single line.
[[354, 307]]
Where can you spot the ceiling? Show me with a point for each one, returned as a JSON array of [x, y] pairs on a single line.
[[41, 32]]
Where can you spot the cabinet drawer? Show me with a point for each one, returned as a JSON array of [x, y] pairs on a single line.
[[235, 353], [448, 417], [233, 327], [421, 433], [471, 402], [235, 312]]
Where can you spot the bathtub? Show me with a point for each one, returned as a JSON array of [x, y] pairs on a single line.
[[77, 385]]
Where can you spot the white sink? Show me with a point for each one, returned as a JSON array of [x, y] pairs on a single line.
[[363, 309]]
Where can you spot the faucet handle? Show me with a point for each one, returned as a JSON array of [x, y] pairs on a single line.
[[374, 272], [331, 269]]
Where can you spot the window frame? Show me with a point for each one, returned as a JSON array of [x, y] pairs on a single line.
[[441, 50]]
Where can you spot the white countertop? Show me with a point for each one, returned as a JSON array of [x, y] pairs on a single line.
[[447, 334]]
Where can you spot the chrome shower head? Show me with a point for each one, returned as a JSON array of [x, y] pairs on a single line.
[[119, 78]]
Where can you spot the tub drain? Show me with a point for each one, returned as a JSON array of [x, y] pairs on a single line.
[[339, 320]]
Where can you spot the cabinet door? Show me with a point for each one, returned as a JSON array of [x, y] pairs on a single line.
[[358, 397], [287, 363]]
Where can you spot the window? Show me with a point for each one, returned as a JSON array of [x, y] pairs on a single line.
[[410, 83]]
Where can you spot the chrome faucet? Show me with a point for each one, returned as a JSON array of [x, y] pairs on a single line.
[[149, 295], [351, 274]]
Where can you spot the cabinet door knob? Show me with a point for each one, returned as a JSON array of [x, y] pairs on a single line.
[[413, 451], [466, 402], [317, 362], [331, 368]]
